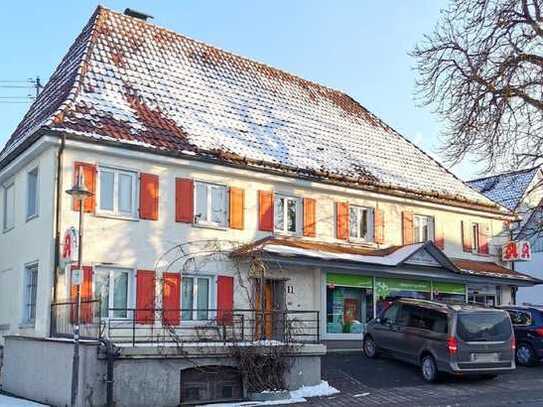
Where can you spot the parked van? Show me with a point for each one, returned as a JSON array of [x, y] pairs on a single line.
[[439, 337]]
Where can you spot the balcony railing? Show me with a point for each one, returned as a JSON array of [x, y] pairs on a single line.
[[133, 326]]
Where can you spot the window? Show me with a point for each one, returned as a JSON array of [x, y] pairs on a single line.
[[348, 309], [117, 192], [390, 314], [287, 214], [210, 204], [475, 243], [30, 293], [423, 228], [9, 207], [520, 318], [32, 194], [195, 298], [360, 223], [113, 287], [420, 318]]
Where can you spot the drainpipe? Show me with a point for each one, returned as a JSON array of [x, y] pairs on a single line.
[[111, 354], [57, 224]]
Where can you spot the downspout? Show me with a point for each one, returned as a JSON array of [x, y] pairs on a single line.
[[111, 354], [58, 201]]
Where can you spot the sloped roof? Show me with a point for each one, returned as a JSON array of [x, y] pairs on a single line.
[[507, 189], [129, 82], [392, 256]]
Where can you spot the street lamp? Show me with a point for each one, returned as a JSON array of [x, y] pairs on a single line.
[[78, 192]]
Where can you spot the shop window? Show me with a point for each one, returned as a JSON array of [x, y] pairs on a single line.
[[117, 192], [389, 290], [32, 194], [30, 293], [450, 298], [9, 207], [360, 223], [348, 309], [210, 204], [113, 287], [287, 214], [423, 228], [195, 298]]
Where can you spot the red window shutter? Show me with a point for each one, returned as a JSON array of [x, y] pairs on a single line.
[[236, 210], [310, 225], [171, 297], [184, 200], [407, 227], [439, 238], [265, 211], [148, 196], [85, 293], [379, 226], [145, 296], [466, 236], [89, 174], [225, 299], [342, 220], [484, 233]]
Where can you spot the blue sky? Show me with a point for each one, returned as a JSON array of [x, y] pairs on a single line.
[[357, 46]]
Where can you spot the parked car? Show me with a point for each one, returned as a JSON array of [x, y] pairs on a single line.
[[439, 337], [528, 326]]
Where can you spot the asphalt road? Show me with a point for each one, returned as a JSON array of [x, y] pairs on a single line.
[[386, 382]]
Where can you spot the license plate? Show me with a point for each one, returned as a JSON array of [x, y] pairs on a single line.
[[484, 357]]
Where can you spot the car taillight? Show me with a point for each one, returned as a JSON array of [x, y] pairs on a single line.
[[514, 344], [539, 331], [452, 344]]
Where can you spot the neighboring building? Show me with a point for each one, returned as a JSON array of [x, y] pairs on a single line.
[[522, 192], [325, 209]]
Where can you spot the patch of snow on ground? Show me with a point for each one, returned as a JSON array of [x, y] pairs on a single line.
[[320, 390], [7, 401]]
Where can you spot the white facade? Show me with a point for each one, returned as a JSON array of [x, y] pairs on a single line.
[[130, 244]]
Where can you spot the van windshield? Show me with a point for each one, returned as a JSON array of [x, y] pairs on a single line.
[[484, 326]]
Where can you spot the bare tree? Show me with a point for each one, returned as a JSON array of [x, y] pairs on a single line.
[[482, 71]]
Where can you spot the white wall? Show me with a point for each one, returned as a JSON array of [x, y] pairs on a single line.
[[29, 241], [533, 295]]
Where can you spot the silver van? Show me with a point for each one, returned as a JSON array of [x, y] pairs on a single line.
[[439, 337]]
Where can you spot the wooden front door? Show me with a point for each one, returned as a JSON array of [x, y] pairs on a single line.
[[269, 320]]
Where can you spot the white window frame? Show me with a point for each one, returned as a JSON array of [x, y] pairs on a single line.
[[129, 295], [209, 205], [135, 192], [369, 223], [29, 303], [431, 230], [211, 295], [5, 188], [298, 223], [30, 216]]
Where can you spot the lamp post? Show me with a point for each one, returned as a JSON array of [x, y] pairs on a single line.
[[78, 192]]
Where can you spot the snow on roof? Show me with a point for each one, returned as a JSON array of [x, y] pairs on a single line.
[[506, 189], [130, 82]]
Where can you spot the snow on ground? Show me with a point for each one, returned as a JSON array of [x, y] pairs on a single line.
[[7, 401], [296, 396]]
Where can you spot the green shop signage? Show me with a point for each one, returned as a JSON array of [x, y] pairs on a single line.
[[385, 285], [448, 288], [349, 280]]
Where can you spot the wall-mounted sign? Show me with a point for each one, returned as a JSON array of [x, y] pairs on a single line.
[[517, 251], [69, 246]]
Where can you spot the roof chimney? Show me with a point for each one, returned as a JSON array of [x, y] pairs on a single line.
[[137, 14]]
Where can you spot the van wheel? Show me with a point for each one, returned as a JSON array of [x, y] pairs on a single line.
[[429, 369], [370, 348], [525, 355]]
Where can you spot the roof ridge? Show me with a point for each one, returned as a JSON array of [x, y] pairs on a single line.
[[511, 172]]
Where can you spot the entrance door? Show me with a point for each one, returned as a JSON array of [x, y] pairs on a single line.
[[270, 305]]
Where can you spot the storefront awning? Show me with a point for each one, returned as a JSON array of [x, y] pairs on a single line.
[[419, 255]]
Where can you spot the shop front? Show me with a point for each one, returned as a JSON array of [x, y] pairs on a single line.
[[353, 300]]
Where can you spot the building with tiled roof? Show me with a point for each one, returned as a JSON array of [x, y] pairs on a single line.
[[220, 185]]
